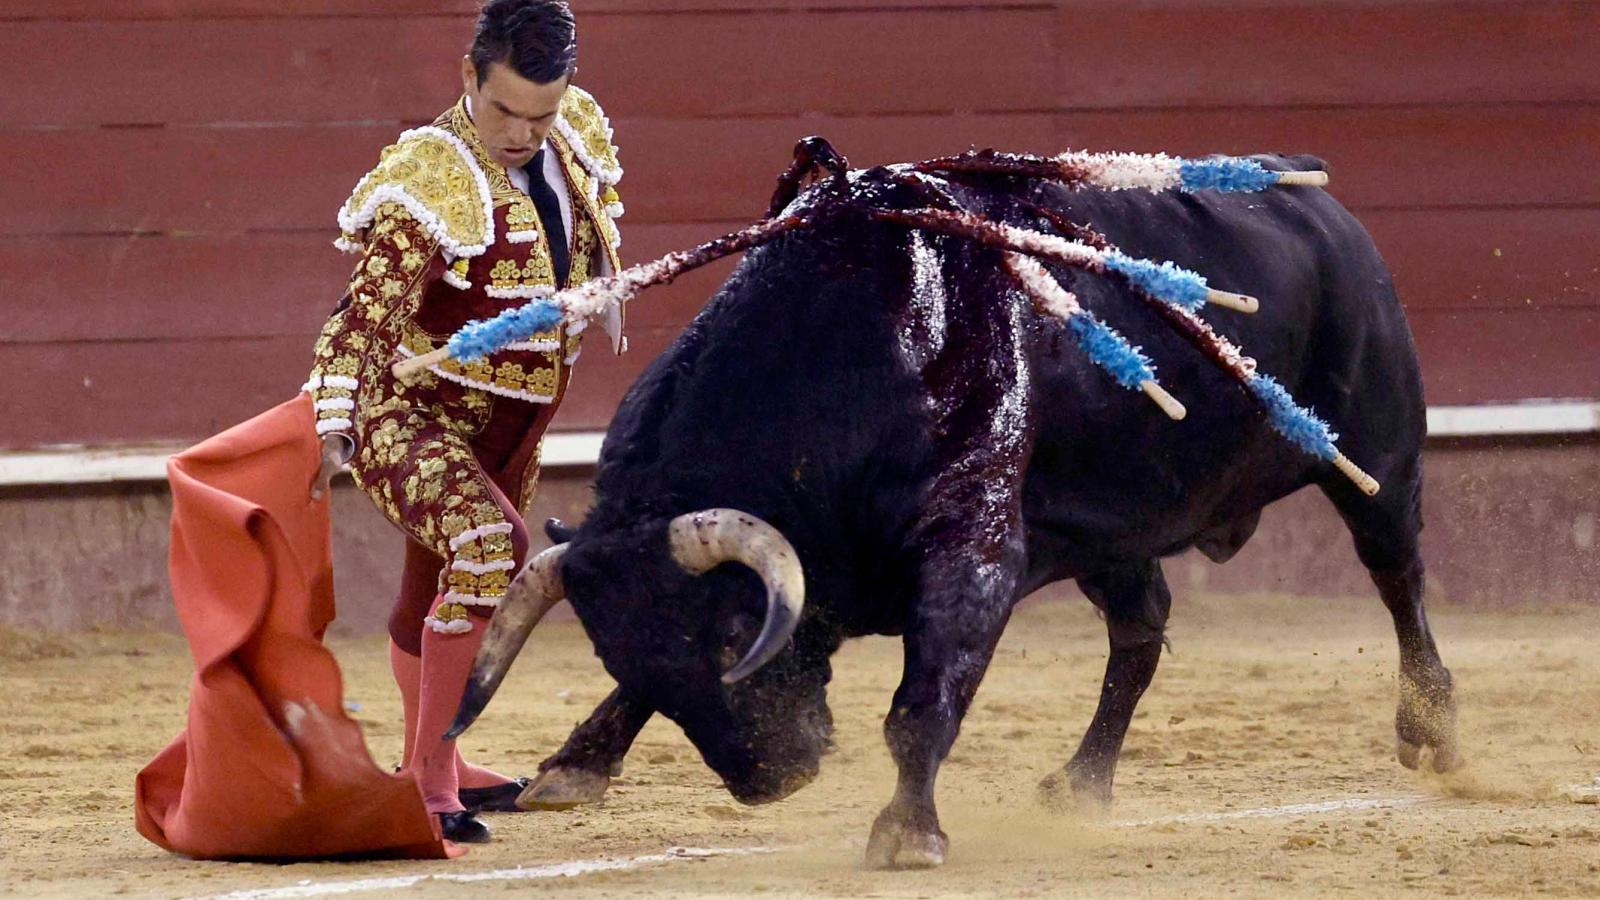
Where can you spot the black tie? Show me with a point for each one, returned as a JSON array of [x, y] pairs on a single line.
[[544, 199]]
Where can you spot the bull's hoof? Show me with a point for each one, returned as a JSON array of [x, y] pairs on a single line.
[[1408, 754], [1446, 758], [1076, 789], [1426, 720], [562, 788], [896, 844]]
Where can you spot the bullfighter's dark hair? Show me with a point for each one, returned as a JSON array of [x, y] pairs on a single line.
[[538, 39]]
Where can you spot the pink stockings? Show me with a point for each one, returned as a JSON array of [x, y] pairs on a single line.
[[430, 697]]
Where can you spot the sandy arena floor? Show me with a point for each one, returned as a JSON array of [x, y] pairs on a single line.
[[1266, 703]]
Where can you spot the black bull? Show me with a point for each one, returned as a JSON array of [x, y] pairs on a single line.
[[935, 449]]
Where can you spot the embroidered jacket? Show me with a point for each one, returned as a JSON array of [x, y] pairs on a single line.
[[445, 238]]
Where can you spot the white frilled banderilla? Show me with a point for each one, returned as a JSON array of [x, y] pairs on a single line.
[[1176, 293]]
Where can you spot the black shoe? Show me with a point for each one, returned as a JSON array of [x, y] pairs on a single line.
[[499, 798], [462, 828]]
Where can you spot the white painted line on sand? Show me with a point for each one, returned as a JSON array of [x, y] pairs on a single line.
[[1276, 812], [570, 869]]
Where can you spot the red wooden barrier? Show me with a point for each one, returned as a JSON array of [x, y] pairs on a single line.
[[172, 167]]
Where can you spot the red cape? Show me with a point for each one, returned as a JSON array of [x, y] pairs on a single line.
[[269, 764]]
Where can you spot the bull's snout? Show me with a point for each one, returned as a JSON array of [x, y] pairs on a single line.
[[769, 786]]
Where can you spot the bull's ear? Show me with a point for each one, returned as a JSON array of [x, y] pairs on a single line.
[[558, 531]]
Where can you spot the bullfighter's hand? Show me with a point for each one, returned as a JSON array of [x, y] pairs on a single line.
[[336, 451]]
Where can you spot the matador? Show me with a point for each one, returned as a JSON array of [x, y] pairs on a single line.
[[507, 196]]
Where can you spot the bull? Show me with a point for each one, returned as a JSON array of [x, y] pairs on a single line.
[[888, 438]]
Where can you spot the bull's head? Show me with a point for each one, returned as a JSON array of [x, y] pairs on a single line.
[[669, 620]]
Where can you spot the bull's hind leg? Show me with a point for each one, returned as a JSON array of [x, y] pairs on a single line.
[[1135, 601], [1386, 530], [581, 771], [967, 598]]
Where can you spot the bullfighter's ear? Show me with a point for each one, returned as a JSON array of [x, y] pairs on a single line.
[[558, 531]]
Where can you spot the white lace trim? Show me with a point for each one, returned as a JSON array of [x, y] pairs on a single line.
[[526, 236], [334, 403], [477, 568], [340, 381], [459, 626], [326, 425], [520, 292], [352, 222], [472, 534], [454, 279], [471, 599], [345, 245], [574, 357], [615, 209]]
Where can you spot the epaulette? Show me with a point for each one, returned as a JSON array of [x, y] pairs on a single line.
[[432, 173], [585, 126]]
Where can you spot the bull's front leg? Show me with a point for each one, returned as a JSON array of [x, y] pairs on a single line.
[[1136, 601], [581, 771], [964, 607]]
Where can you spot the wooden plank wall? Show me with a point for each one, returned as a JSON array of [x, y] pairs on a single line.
[[170, 168]]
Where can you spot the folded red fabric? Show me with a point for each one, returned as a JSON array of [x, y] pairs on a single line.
[[269, 765]]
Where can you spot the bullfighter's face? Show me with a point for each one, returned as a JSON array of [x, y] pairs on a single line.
[[512, 114], [667, 636]]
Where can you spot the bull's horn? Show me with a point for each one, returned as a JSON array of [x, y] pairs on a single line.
[[703, 540], [532, 593]]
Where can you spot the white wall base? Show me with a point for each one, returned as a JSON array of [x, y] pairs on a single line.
[[77, 464]]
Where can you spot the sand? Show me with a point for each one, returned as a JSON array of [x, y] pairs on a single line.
[[1265, 702]]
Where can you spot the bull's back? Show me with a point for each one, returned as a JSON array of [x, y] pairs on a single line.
[[1112, 478]]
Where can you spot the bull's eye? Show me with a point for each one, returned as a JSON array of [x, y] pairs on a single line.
[[735, 636]]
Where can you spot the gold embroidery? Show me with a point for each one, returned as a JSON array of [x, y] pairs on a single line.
[[521, 216], [581, 110], [539, 270], [542, 382], [583, 247], [430, 171], [530, 480], [503, 375], [452, 524], [583, 201]]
